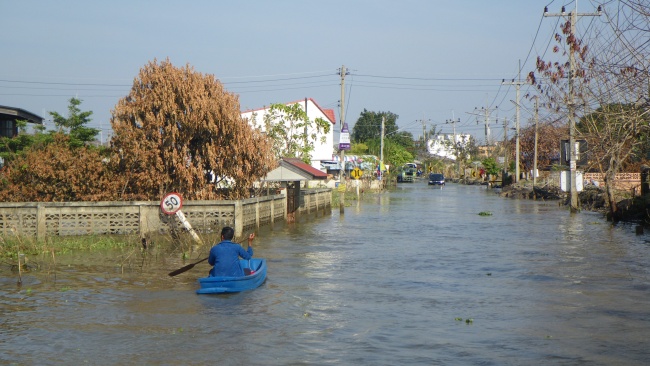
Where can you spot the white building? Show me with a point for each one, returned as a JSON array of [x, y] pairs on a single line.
[[442, 145], [323, 150]]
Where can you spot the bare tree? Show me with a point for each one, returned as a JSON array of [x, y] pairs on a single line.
[[611, 88]]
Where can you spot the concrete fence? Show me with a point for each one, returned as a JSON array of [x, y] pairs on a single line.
[[42, 219]]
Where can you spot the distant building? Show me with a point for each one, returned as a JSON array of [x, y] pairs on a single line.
[[442, 145], [486, 151], [323, 151], [9, 116]]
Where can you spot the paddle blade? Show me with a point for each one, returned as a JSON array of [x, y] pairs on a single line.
[[186, 268]]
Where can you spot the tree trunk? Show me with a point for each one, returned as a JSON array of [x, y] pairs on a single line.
[[609, 190]]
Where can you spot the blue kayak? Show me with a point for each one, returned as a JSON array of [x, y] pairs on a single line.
[[223, 284]]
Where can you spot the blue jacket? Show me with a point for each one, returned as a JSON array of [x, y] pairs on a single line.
[[225, 259]]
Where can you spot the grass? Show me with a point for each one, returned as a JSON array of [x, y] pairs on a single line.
[[12, 245]]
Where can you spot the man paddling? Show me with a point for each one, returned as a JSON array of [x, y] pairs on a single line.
[[225, 255]]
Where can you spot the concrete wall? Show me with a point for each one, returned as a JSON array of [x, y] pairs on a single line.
[[42, 219]]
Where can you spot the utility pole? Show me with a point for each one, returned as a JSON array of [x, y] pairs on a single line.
[[517, 84], [424, 131], [342, 73], [573, 19], [485, 112], [505, 151], [453, 122], [535, 157], [381, 153]]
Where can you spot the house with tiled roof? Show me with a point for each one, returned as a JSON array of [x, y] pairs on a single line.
[[323, 150]]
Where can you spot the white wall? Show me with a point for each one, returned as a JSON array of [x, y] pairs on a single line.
[[322, 150], [442, 145]]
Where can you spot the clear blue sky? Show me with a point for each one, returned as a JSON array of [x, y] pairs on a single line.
[[422, 60]]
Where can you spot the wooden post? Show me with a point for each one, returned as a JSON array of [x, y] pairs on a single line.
[[645, 180]]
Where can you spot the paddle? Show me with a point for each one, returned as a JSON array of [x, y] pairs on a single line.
[[186, 268]]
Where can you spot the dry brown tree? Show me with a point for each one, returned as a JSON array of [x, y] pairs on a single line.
[[180, 131], [549, 135], [57, 172]]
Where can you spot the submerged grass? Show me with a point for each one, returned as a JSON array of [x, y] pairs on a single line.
[[12, 245], [351, 196]]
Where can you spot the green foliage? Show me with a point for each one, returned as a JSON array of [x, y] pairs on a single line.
[[491, 166], [404, 139], [75, 124], [395, 155], [12, 245], [469, 150], [358, 148], [292, 132], [368, 126]]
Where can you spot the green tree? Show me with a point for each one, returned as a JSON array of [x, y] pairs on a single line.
[[75, 125], [358, 148], [405, 140], [368, 125], [491, 166], [395, 154], [292, 133]]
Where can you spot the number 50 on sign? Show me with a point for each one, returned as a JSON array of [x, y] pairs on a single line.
[[171, 203]]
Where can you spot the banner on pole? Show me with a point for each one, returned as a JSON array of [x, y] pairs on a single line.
[[344, 140]]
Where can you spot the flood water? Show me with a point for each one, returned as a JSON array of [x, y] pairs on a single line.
[[412, 276]]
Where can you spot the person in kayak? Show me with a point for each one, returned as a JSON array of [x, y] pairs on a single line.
[[225, 255]]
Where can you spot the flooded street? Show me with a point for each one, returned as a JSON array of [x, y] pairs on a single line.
[[412, 276]]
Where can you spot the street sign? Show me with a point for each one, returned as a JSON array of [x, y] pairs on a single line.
[[356, 173], [565, 181], [581, 153], [171, 203]]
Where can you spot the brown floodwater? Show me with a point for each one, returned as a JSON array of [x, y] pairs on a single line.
[[411, 276]]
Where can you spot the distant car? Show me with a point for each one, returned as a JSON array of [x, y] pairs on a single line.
[[436, 179]]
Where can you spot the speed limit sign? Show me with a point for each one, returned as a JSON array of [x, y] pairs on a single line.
[[171, 203]]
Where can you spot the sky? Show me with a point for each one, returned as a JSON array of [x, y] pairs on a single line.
[[429, 62]]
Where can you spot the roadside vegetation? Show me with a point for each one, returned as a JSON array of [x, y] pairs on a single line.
[[176, 127]]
